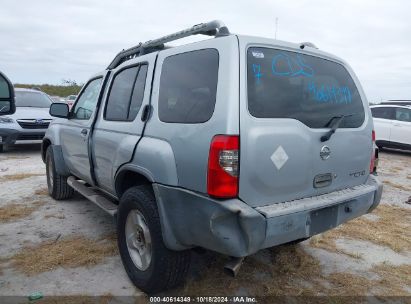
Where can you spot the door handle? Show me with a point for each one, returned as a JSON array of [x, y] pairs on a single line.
[[84, 132], [398, 125]]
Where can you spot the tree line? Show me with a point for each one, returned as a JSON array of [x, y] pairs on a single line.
[[68, 87]]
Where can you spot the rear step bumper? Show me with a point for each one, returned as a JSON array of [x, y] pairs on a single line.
[[233, 228]]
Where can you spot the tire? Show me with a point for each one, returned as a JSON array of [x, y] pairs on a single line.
[[56, 183], [3, 148], [160, 268], [295, 242]]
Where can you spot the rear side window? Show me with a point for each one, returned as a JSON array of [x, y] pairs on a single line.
[[126, 94], [188, 87], [283, 84], [403, 114], [383, 112]]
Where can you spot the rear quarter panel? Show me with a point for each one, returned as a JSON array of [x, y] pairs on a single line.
[[382, 129]]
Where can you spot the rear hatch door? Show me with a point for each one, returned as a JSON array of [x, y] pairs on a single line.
[[290, 100]]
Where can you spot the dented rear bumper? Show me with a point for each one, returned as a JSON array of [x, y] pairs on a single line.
[[231, 227]]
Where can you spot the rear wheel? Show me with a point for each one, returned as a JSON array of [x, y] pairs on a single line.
[[3, 148], [150, 265], [56, 183]]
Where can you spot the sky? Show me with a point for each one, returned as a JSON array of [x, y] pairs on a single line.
[[46, 41]]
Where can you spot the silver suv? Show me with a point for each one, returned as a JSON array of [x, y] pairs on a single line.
[[233, 144], [30, 120]]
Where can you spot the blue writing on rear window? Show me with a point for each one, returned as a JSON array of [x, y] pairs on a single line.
[[257, 72], [329, 94], [291, 66]]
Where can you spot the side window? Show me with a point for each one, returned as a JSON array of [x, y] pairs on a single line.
[[138, 92], [126, 94], [188, 87], [382, 112], [403, 114], [87, 101]]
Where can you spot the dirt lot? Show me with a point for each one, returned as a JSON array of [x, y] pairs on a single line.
[[68, 247]]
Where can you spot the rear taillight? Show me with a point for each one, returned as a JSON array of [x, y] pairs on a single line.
[[372, 163], [223, 166]]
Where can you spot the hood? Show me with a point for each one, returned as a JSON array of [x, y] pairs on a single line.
[[31, 113]]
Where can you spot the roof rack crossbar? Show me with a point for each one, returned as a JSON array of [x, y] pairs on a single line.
[[213, 28]]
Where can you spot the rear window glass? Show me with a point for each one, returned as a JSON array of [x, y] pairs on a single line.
[[283, 84], [188, 87]]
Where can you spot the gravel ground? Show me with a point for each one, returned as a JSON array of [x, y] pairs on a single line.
[[54, 221]]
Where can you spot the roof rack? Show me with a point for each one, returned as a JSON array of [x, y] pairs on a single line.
[[309, 44], [213, 28]]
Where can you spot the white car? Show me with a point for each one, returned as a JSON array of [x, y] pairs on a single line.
[[30, 121], [392, 124]]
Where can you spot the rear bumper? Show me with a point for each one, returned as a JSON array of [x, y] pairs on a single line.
[[233, 228], [10, 136]]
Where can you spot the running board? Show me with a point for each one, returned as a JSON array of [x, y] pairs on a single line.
[[93, 196]]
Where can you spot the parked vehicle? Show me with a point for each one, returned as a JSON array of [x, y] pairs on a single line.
[[233, 144], [29, 122], [70, 100], [392, 126], [7, 103], [397, 102], [56, 99]]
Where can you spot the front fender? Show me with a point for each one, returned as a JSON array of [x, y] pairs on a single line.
[[52, 137], [53, 131], [59, 163]]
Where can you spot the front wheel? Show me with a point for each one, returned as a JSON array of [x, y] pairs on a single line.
[[56, 183], [150, 265]]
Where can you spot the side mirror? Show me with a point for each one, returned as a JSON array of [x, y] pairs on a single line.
[[7, 103], [59, 110]]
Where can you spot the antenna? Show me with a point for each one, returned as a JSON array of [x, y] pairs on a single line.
[[276, 28]]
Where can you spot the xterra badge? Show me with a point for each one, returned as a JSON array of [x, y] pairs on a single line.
[[357, 174]]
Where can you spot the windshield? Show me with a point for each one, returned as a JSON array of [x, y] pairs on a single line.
[[32, 99], [283, 84]]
